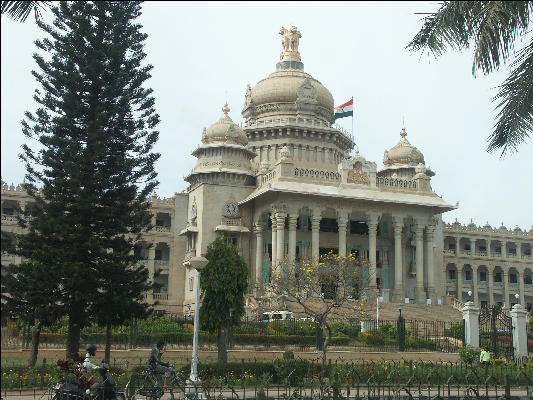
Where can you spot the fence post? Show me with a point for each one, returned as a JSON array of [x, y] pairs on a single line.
[[401, 332], [518, 318], [130, 336], [471, 317], [135, 333]]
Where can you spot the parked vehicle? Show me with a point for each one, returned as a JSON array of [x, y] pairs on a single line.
[[270, 316]]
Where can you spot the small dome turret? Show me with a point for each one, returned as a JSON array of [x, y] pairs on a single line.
[[403, 154], [224, 131]]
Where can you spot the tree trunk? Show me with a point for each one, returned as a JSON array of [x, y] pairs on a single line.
[[107, 356], [325, 345], [35, 338], [222, 350], [73, 339]]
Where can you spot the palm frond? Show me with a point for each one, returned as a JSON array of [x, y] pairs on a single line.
[[515, 118], [495, 28], [19, 10], [449, 26]]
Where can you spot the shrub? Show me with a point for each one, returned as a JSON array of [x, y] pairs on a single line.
[[469, 354], [497, 361], [344, 329], [455, 331], [389, 330]]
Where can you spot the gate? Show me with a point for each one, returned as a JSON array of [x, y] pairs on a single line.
[[496, 332]]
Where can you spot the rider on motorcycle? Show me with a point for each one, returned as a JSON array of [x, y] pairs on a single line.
[[90, 368]]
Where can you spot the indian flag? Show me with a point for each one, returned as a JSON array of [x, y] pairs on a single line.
[[344, 110]]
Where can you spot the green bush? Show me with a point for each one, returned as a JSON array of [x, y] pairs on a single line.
[[455, 331], [342, 328], [469, 354], [389, 330]]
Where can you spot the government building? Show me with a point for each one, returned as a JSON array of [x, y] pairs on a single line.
[[288, 185]]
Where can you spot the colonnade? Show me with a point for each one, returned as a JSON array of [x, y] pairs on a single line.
[[423, 244]]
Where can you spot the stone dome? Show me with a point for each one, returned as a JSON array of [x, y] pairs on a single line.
[[403, 153], [289, 92], [224, 131]]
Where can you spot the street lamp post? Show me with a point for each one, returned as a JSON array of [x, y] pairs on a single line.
[[198, 263], [401, 331]]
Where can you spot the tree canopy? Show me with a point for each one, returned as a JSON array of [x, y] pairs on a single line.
[[498, 32], [224, 282]]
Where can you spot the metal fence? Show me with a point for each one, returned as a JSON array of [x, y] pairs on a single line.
[[368, 335], [356, 380]]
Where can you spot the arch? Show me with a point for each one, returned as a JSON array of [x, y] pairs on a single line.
[[467, 274], [449, 244], [10, 207]]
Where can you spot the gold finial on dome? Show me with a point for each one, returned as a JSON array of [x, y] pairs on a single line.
[[403, 133], [225, 109]]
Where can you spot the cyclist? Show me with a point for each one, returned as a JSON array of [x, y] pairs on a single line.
[[158, 367]]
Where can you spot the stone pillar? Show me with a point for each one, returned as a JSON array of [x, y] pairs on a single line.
[[457, 242], [521, 286], [293, 219], [258, 230], [342, 220], [280, 220], [274, 242], [315, 227], [430, 242], [419, 238], [506, 289], [504, 248], [488, 247], [473, 247], [459, 282], [471, 316], [490, 271], [518, 320], [474, 283], [519, 250], [372, 232], [399, 293]]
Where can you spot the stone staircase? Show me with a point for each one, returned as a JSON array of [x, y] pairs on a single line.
[[389, 311]]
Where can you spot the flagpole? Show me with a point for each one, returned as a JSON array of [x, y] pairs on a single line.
[[352, 120]]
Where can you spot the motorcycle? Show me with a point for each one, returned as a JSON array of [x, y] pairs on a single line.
[[68, 388]]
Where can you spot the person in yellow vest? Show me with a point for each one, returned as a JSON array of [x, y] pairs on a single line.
[[484, 357]]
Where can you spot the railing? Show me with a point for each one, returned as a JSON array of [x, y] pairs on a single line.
[[231, 222], [304, 122], [482, 283], [160, 296], [449, 251], [9, 218], [162, 228], [528, 286], [466, 252], [527, 256], [456, 303], [268, 177], [143, 262], [498, 284], [161, 263], [396, 183], [317, 174], [481, 253]]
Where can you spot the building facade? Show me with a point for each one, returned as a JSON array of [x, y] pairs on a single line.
[[287, 186]]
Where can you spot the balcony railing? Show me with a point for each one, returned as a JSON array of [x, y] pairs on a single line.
[[143, 262], [162, 228], [9, 218], [483, 283], [498, 284], [161, 263], [528, 286], [449, 251], [513, 285]]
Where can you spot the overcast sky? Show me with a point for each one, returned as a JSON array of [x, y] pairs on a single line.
[[201, 51]]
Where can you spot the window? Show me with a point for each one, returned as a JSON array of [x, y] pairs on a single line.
[[483, 276], [191, 283], [358, 228], [468, 275], [451, 246], [329, 225], [232, 240], [451, 274], [527, 279], [512, 251], [482, 248], [513, 278], [467, 246], [498, 276]]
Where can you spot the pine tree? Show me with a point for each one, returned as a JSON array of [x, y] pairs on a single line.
[[95, 166], [223, 281]]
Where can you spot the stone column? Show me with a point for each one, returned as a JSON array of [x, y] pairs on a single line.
[[419, 238], [473, 247], [372, 239], [280, 220], [274, 242], [488, 247], [474, 283], [258, 230], [430, 242], [399, 293], [471, 317], [518, 321], [504, 248], [315, 228], [457, 242], [490, 271], [521, 286], [293, 219], [459, 282], [342, 220], [519, 250], [506, 289]]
